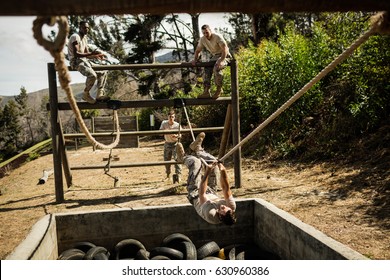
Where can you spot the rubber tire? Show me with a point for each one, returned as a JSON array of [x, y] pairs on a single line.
[[142, 254], [159, 257], [188, 249], [212, 258], [224, 252], [236, 250], [97, 253], [127, 248], [83, 246], [174, 239], [168, 252], [71, 254], [209, 249]]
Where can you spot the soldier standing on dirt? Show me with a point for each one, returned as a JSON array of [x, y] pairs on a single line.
[[170, 143]]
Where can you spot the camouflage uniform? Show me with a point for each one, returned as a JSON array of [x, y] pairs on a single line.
[[84, 66], [218, 75], [214, 47]]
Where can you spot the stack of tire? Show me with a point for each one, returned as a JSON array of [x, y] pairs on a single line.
[[176, 246]]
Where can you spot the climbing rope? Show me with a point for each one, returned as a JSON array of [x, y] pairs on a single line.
[[188, 119], [379, 24], [55, 48]]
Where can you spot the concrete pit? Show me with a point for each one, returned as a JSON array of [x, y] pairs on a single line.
[[258, 222]]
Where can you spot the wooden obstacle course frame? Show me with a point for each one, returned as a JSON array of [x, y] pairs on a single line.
[[60, 159]]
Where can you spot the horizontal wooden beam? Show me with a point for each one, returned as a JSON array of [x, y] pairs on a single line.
[[147, 103], [107, 7], [144, 133], [134, 164], [153, 66]]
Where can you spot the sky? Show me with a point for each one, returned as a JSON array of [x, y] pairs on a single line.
[[23, 63]]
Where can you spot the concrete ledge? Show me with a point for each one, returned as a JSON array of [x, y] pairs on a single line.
[[40, 243]]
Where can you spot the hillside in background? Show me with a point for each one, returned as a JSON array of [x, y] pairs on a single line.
[[35, 98]]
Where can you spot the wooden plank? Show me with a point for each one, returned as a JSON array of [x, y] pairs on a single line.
[[226, 132], [236, 123], [126, 123], [64, 155], [55, 127], [149, 132], [104, 7], [148, 103], [124, 165]]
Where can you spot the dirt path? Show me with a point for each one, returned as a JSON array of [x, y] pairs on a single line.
[[317, 194]]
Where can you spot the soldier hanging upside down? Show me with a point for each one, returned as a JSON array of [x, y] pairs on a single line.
[[205, 200]]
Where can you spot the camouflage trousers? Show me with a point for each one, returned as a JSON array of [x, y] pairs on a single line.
[[85, 68], [195, 175], [169, 153], [218, 75]]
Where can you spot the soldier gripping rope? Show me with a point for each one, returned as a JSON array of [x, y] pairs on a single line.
[[212, 208], [79, 56]]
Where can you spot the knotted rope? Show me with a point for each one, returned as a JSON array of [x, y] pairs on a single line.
[[379, 24], [55, 48]]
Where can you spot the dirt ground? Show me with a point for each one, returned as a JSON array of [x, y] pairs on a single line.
[[342, 200]]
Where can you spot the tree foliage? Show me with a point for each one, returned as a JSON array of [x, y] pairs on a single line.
[[350, 101], [9, 130]]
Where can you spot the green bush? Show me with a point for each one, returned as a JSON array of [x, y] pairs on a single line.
[[353, 99]]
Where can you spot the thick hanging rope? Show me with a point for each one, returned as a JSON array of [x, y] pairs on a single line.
[[55, 48], [188, 120], [379, 24]]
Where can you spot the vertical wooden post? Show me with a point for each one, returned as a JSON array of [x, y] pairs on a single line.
[[55, 126], [226, 132], [236, 122], [64, 155]]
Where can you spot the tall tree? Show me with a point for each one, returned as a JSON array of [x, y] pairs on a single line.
[[10, 129], [27, 116], [142, 35]]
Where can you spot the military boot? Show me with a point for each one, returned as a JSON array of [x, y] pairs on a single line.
[[101, 97], [218, 92], [206, 92]]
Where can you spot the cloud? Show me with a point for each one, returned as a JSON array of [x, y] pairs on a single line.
[[22, 61]]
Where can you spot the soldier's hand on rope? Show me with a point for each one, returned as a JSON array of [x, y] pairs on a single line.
[[97, 54], [221, 166]]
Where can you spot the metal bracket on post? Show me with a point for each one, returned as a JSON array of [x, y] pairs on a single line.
[[114, 104], [178, 103]]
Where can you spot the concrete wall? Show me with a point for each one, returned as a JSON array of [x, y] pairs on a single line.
[[281, 233], [149, 225], [258, 221]]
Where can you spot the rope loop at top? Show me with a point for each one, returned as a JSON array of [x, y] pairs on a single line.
[[60, 40], [381, 23]]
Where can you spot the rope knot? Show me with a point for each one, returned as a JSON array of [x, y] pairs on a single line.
[[59, 42], [381, 23]]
